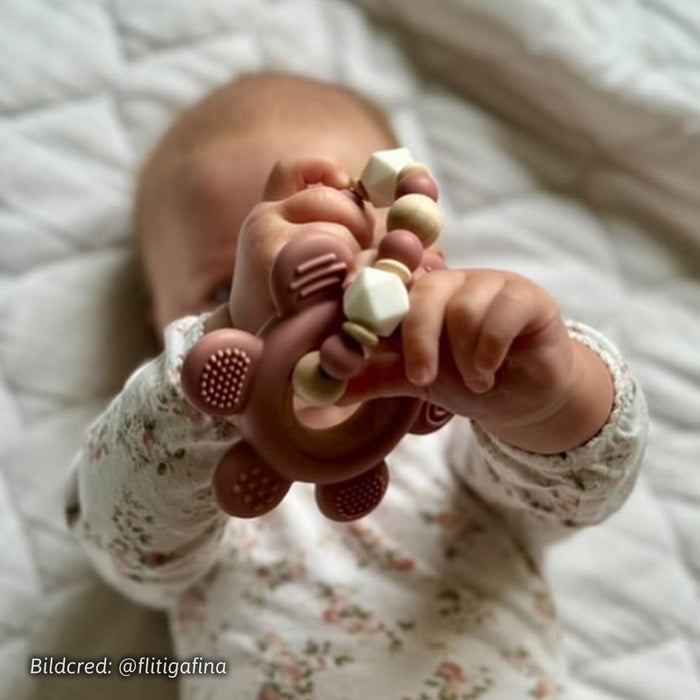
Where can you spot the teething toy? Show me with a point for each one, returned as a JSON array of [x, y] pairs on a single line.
[[319, 339]]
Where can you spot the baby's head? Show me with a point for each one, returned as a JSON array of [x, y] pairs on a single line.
[[210, 167]]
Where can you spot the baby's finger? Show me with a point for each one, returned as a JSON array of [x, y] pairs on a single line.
[[464, 318], [421, 328], [290, 176], [324, 204], [515, 310], [521, 308], [365, 258], [382, 376]]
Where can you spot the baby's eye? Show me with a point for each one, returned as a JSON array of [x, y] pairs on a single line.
[[221, 294]]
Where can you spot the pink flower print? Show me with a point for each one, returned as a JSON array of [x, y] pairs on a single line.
[[404, 565], [148, 440], [356, 529], [449, 682], [332, 617], [369, 546], [447, 519], [544, 604], [353, 618], [293, 674], [452, 674], [192, 607], [289, 672], [546, 688], [97, 451]]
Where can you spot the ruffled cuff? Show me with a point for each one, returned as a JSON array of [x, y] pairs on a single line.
[[162, 388], [180, 337]]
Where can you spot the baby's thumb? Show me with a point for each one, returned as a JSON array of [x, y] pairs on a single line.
[[288, 177]]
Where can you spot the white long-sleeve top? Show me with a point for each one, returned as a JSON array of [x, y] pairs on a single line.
[[436, 595]]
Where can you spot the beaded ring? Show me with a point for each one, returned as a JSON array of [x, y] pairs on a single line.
[[317, 341]]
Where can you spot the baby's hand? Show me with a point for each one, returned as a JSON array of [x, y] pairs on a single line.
[[299, 196], [492, 346]]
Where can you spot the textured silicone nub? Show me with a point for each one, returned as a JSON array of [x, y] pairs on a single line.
[[354, 498], [244, 486], [217, 371], [223, 376]]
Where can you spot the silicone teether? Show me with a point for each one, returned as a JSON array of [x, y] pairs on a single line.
[[314, 344]]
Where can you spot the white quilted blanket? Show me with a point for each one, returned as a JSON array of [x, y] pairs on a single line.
[[566, 136]]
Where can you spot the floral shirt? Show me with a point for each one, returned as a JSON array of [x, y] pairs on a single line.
[[436, 595]]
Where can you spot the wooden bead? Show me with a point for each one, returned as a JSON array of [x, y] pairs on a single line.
[[418, 214], [395, 267], [414, 169], [312, 385], [418, 184], [362, 335], [341, 356], [401, 245]]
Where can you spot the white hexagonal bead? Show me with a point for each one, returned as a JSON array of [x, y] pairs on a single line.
[[381, 172], [377, 300]]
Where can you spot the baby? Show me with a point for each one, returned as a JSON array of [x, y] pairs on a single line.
[[439, 592]]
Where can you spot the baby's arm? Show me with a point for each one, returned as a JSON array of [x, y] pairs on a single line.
[[140, 500], [559, 422], [545, 496]]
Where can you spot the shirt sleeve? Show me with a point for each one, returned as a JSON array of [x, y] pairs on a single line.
[[139, 499], [544, 497]]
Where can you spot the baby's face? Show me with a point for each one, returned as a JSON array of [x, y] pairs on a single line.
[[199, 207]]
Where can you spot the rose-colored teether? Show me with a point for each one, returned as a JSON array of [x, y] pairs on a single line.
[[311, 348]]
